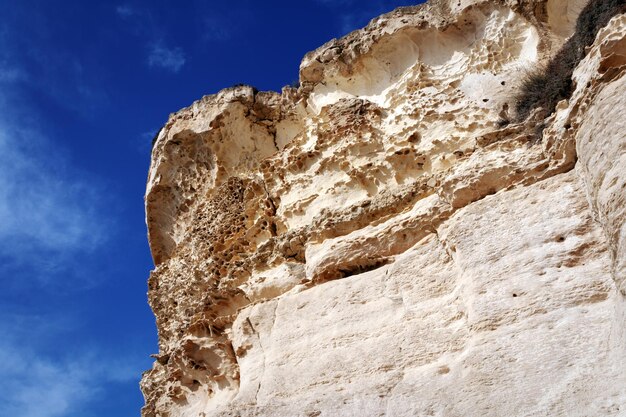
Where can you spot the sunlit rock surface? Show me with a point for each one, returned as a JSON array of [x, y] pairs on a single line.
[[386, 241]]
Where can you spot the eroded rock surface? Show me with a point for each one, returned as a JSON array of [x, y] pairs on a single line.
[[386, 241]]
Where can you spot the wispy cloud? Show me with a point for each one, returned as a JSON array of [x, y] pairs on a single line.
[[52, 214], [125, 11], [52, 224], [34, 384], [171, 59], [36, 387], [351, 18], [53, 71], [10, 74], [160, 54], [217, 29], [40, 204], [55, 218], [352, 21], [143, 141]]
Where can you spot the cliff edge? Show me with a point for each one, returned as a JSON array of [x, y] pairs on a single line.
[[413, 231]]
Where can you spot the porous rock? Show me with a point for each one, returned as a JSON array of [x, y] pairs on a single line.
[[384, 240]]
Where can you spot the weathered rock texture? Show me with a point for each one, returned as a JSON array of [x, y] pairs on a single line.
[[385, 240]]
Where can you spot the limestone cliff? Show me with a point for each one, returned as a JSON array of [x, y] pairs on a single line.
[[396, 237]]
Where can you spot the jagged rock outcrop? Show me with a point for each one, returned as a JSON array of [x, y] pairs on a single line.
[[391, 238]]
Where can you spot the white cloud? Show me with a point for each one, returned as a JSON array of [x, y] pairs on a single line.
[[144, 25], [36, 387], [33, 384], [52, 215], [171, 59], [53, 220], [42, 204]]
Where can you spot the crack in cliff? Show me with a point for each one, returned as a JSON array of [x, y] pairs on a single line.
[[263, 352], [258, 336]]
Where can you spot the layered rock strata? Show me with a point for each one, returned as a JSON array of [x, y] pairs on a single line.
[[385, 240]]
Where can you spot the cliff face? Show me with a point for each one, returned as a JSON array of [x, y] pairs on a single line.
[[391, 238]]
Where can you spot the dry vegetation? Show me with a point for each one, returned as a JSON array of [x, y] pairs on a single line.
[[546, 86]]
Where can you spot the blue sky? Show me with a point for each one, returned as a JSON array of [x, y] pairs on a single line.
[[83, 88]]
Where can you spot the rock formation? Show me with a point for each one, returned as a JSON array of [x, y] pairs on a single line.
[[394, 237]]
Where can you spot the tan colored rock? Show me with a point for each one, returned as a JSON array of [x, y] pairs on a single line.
[[385, 241]]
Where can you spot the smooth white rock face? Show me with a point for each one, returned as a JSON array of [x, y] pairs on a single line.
[[386, 241], [451, 327]]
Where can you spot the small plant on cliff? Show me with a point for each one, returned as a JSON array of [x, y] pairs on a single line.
[[546, 86]]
